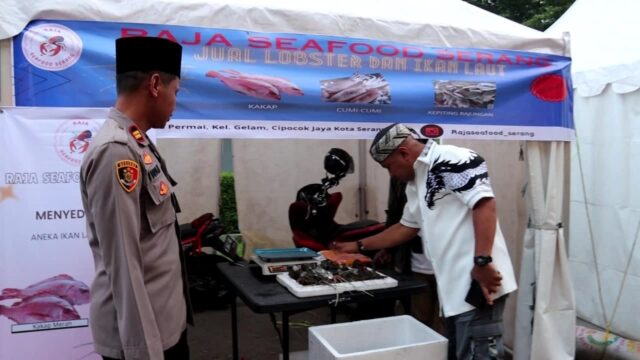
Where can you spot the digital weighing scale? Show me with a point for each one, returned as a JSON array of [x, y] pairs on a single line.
[[276, 261]]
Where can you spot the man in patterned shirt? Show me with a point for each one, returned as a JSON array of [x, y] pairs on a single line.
[[449, 198]]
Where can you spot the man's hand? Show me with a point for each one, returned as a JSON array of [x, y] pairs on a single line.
[[383, 257], [345, 246], [489, 279]]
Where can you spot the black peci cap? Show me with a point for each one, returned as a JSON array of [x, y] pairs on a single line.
[[148, 54]]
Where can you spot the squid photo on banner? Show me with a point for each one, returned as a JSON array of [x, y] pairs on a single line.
[[46, 266]]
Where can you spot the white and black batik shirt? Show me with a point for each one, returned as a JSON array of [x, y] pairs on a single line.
[[449, 181]]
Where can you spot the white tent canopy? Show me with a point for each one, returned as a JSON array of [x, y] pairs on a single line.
[[451, 23], [442, 23], [603, 35], [606, 73]]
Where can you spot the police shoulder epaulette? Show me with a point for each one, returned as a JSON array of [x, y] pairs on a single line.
[[113, 133], [137, 134], [120, 136]]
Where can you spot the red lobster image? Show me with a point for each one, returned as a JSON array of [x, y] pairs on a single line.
[[80, 143], [53, 46]]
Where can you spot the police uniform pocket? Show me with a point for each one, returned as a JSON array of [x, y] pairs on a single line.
[[159, 210]]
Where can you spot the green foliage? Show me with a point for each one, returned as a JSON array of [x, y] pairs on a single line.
[[227, 203], [537, 14]]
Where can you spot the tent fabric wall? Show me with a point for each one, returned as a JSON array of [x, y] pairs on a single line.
[[196, 168], [606, 75], [268, 174], [6, 83], [608, 134], [546, 291]]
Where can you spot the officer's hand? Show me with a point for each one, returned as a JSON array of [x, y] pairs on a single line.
[[489, 279]]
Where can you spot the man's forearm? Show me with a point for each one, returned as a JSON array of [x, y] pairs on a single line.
[[394, 235], [484, 225]]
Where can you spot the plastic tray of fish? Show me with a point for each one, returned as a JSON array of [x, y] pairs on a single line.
[[316, 290], [286, 254]]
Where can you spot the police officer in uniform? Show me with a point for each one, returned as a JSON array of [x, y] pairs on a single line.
[[139, 303]]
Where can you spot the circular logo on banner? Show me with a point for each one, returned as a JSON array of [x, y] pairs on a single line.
[[550, 87], [52, 47], [72, 139], [431, 131]]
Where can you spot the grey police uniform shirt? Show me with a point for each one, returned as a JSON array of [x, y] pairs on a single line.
[[138, 308]]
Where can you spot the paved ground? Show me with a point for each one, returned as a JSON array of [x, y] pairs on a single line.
[[210, 339], [258, 339]]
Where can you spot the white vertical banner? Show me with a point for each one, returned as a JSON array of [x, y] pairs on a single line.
[[46, 266]]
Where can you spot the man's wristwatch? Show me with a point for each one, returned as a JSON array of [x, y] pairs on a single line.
[[482, 260], [360, 245]]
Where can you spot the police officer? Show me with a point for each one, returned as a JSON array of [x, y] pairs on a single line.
[[139, 302]]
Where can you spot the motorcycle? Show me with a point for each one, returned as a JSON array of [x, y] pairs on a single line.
[[311, 218], [311, 215], [205, 287]]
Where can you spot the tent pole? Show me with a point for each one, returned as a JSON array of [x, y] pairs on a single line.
[[6, 76], [362, 185]]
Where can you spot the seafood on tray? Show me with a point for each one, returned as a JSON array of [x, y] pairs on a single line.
[[464, 94], [358, 89], [328, 272], [344, 258], [254, 85]]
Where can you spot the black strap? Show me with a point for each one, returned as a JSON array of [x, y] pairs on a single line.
[[176, 207], [163, 166]]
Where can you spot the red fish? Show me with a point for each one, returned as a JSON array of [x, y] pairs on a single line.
[[250, 87], [344, 258], [281, 84], [63, 286], [40, 309]]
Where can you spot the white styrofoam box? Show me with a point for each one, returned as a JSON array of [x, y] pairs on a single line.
[[391, 338], [315, 290]]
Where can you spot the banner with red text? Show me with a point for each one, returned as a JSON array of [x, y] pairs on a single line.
[[46, 266], [246, 84]]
